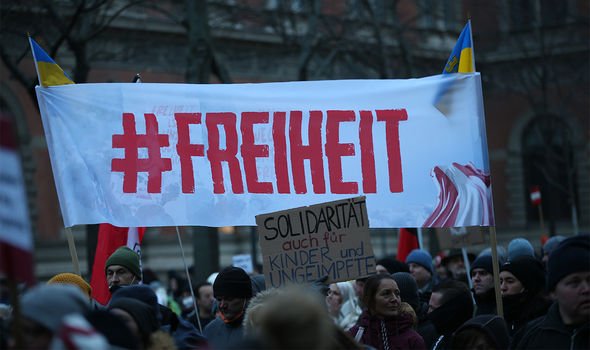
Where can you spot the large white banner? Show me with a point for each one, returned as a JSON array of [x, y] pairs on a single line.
[[218, 155]]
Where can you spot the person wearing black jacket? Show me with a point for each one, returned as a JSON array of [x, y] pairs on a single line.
[[450, 306], [522, 281], [567, 323], [482, 276]]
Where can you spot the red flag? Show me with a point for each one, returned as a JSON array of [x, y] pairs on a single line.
[[535, 195], [109, 239], [16, 240], [406, 242]]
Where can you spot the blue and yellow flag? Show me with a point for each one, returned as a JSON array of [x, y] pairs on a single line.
[[462, 59], [48, 72]]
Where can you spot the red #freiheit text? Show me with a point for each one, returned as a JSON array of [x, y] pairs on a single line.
[[287, 130]]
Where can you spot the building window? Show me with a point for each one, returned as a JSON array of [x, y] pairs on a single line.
[[548, 161], [528, 14], [440, 15]]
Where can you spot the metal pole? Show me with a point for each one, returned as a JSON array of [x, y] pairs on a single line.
[[190, 283]]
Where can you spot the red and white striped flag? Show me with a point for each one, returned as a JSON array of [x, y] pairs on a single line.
[[16, 241], [109, 239], [535, 195]]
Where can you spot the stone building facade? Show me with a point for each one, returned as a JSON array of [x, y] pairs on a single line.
[[533, 56]]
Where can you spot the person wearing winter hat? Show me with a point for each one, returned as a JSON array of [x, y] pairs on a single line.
[[409, 294], [482, 332], [522, 281], [421, 268], [455, 265], [567, 322], [122, 268], [518, 247], [138, 316], [450, 306], [184, 333], [548, 247], [233, 290], [482, 276], [43, 309], [72, 279]]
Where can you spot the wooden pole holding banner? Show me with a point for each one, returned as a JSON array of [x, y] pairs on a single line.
[[73, 253], [496, 270]]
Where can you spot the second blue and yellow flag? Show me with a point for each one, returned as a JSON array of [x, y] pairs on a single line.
[[48, 72], [462, 59]]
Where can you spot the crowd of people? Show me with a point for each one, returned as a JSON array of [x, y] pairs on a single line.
[[419, 303]]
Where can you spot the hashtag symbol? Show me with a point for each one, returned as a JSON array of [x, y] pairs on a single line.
[[131, 164]]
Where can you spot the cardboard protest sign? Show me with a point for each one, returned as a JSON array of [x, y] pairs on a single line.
[[460, 237], [303, 244]]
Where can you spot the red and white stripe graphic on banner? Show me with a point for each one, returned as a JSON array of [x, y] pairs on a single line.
[[16, 241], [109, 239]]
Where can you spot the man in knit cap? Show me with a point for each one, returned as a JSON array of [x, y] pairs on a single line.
[[567, 323], [455, 265], [233, 290], [482, 276], [420, 263], [122, 269], [548, 247]]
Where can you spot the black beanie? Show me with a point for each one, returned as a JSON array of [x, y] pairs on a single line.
[[483, 262], [232, 282], [408, 289], [528, 270], [571, 255], [141, 312]]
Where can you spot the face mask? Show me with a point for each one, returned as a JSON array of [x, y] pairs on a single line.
[[187, 302], [162, 296]]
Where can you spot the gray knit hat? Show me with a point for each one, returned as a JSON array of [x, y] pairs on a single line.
[[48, 304]]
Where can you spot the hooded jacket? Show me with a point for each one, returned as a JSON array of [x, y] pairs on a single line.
[[549, 332], [398, 332], [492, 326], [522, 308], [445, 320]]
